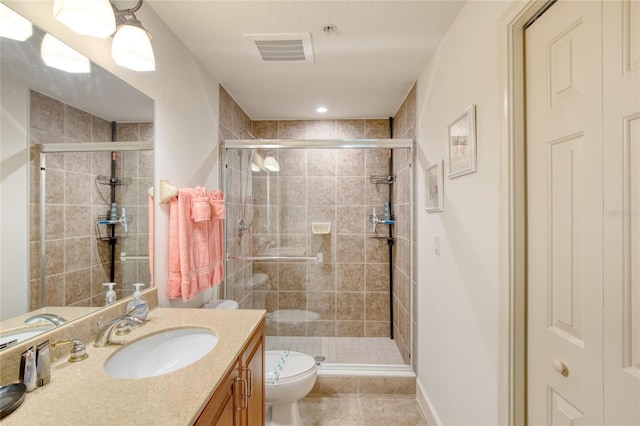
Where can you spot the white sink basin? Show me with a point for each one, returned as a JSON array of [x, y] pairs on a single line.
[[18, 336], [161, 353]]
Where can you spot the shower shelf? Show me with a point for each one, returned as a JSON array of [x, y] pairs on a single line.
[[106, 180], [382, 179], [383, 238], [101, 227]]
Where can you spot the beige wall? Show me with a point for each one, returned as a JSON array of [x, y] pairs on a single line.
[[77, 259], [457, 291]]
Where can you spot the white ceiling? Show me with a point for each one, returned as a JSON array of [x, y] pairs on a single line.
[[363, 70]]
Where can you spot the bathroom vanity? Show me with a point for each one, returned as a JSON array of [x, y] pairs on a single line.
[[225, 386], [239, 399]]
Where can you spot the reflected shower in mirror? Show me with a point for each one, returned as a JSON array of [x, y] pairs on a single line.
[[46, 115]]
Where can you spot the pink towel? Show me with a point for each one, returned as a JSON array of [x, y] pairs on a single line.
[[196, 248], [200, 207]]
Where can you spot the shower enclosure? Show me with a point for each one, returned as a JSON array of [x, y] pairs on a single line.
[[77, 244], [319, 234]]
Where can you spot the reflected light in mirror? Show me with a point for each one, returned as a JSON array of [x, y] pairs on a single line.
[[14, 26], [131, 47], [93, 18], [271, 164], [58, 55]]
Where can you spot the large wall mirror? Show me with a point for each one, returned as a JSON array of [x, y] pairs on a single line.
[[77, 161]]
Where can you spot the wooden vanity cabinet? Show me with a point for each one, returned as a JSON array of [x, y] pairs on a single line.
[[239, 400], [252, 370]]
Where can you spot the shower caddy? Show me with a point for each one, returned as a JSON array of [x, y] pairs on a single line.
[[105, 224], [389, 221]]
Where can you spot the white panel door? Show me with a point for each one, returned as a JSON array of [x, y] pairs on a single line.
[[564, 188], [621, 127]]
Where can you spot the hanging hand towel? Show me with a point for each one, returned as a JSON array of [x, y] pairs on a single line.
[[195, 248], [216, 236], [200, 207]]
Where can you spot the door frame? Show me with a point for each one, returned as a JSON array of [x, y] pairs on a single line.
[[512, 333]]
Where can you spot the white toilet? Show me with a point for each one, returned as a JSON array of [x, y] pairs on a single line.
[[289, 377], [221, 304]]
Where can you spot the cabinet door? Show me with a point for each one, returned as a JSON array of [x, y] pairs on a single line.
[[252, 362], [221, 408]]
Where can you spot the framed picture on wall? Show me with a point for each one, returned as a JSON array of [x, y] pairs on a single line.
[[435, 188], [461, 145]]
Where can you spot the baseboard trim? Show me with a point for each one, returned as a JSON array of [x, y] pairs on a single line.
[[426, 406]]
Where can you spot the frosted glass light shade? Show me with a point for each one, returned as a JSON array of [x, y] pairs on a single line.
[[271, 164], [58, 55], [14, 26], [131, 47], [93, 18]]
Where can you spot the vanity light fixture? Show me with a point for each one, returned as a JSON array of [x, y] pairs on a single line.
[[271, 164], [92, 18], [14, 26], [58, 55], [131, 46]]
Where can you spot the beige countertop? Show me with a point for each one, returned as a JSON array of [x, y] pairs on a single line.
[[82, 393]]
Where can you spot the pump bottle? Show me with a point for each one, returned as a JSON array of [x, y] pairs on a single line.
[[138, 305], [111, 294]]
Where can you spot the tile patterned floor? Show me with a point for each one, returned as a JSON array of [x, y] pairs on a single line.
[[341, 350], [361, 411]]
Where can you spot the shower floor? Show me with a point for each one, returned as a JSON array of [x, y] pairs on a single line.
[[341, 350]]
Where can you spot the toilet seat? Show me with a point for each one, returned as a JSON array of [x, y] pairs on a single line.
[[295, 366]]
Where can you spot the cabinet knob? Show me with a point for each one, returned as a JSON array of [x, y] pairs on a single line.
[[560, 367]]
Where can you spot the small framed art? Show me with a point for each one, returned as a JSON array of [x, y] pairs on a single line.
[[461, 145], [435, 188]]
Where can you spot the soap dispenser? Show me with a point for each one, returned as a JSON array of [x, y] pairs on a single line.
[[138, 305], [111, 294]]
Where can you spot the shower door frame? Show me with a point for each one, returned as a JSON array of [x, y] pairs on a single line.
[[333, 144]]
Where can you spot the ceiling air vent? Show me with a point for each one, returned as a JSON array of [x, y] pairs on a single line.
[[282, 47]]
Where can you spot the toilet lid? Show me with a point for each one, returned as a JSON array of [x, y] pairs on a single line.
[[292, 366]]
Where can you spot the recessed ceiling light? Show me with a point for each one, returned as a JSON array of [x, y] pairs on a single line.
[[321, 109]]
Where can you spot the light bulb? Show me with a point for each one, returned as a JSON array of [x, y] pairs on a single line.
[[271, 164], [93, 18], [58, 55], [131, 47], [13, 25]]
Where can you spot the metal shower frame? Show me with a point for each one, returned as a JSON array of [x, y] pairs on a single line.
[[334, 144]]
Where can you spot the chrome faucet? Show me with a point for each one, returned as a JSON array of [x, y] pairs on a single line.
[[103, 338], [374, 220], [52, 318]]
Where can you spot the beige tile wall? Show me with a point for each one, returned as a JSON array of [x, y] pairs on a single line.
[[350, 289], [77, 262], [235, 124], [404, 127]]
